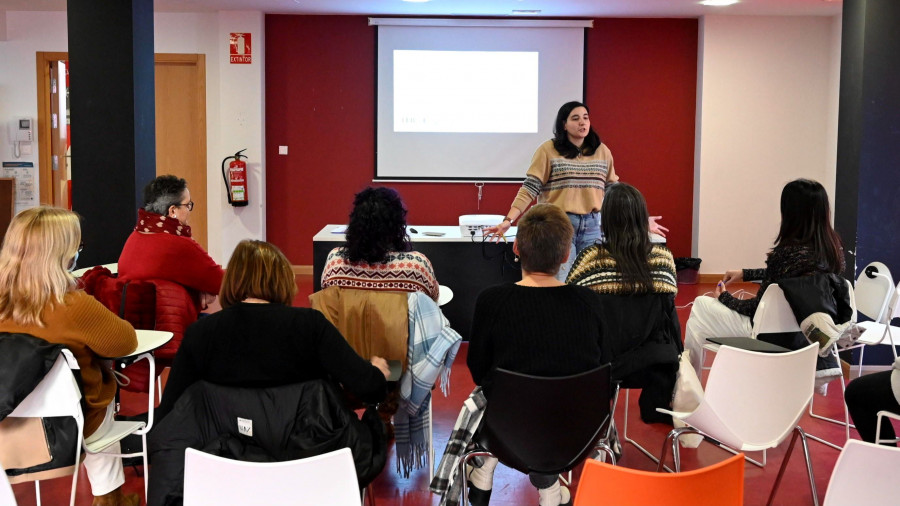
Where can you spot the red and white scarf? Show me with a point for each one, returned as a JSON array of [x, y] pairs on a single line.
[[153, 223]]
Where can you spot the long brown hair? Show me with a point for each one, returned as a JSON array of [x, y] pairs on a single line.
[[626, 235]]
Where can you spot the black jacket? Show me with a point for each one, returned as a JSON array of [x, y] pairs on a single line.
[[288, 422], [642, 339], [24, 361]]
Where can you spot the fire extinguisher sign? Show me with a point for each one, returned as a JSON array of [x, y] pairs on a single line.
[[240, 48]]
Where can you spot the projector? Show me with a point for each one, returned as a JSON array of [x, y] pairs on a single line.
[[472, 224]]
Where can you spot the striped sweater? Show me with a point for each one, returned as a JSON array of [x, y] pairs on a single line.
[[405, 271], [575, 185], [596, 269]]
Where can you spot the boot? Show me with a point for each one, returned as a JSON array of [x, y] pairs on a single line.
[[116, 498]]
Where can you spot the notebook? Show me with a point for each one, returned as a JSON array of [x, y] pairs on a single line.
[[747, 343]]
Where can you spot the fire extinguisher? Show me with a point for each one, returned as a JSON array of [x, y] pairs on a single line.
[[236, 179]]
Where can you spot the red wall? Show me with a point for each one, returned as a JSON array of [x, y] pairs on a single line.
[[320, 101]]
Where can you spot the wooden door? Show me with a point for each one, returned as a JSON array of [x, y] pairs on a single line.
[[181, 128]]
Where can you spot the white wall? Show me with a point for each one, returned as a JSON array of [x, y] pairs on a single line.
[[231, 126], [767, 109]]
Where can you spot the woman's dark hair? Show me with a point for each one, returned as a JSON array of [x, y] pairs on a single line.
[[543, 238], [162, 192], [561, 139], [806, 221], [377, 226], [623, 218]]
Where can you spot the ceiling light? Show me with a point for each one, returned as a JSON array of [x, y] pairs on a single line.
[[719, 3], [526, 12], [417, 1]]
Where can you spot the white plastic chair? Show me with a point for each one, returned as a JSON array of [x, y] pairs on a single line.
[[7, 498], [877, 298], [324, 479], [881, 415], [56, 395], [858, 476], [752, 402]]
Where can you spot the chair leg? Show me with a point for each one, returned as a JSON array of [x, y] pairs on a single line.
[[673, 436], [37, 491], [461, 474], [812, 482]]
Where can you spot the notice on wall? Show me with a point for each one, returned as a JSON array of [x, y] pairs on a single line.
[[23, 172], [240, 49]]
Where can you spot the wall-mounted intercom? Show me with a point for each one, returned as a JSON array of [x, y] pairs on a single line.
[[21, 130]]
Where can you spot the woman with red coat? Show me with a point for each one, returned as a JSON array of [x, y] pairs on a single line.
[[161, 246]]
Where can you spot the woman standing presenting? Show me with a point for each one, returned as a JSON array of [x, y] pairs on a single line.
[[569, 171]]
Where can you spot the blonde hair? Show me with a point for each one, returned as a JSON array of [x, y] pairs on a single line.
[[39, 247], [260, 270]]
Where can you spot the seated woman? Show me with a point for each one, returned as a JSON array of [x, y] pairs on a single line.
[[38, 296], [869, 394], [806, 245], [259, 340], [161, 246], [378, 254], [538, 326], [637, 287]]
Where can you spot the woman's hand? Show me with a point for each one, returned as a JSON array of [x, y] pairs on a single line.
[[656, 228], [720, 287], [498, 230], [735, 276], [382, 366]]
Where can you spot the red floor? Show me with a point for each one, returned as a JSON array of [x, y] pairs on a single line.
[[512, 488]]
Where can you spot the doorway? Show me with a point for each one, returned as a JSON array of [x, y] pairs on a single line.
[[180, 94]]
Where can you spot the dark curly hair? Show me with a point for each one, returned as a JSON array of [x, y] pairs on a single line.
[[561, 139], [162, 192], [377, 226]]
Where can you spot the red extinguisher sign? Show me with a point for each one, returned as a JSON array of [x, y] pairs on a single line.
[[240, 48]]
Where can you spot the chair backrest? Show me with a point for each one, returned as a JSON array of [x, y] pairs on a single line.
[[545, 425], [859, 476], [755, 398], [774, 314], [721, 484], [329, 478], [874, 292], [56, 395]]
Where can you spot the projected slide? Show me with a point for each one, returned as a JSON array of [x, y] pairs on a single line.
[[465, 91]]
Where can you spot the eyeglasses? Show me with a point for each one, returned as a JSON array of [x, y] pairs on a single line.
[[189, 205], [80, 246]]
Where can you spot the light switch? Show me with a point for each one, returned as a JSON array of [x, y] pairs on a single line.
[[282, 150]]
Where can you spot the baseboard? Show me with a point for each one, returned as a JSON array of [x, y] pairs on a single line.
[[302, 269]]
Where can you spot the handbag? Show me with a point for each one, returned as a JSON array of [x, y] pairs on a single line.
[[686, 397]]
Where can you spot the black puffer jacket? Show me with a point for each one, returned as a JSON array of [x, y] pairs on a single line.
[[24, 361], [288, 422]]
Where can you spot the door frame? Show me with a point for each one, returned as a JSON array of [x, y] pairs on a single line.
[[45, 167]]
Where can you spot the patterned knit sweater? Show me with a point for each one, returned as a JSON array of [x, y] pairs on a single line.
[[596, 269], [405, 271], [574, 185]]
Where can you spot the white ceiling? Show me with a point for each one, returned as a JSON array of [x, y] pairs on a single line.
[[547, 8]]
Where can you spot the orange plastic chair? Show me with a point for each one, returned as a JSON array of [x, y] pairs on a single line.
[[720, 484]]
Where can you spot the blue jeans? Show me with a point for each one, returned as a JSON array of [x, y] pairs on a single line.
[[587, 232]]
